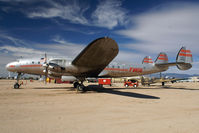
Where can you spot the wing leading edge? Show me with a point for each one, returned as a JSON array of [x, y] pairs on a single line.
[[95, 57]]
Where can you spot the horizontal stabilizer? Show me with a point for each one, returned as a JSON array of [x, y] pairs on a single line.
[[183, 60]]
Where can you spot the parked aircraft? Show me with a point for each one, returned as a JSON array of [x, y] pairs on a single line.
[[149, 81], [94, 62]]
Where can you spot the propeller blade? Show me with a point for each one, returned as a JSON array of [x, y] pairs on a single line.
[[46, 68]]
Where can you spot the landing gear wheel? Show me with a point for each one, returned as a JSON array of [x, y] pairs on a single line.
[[81, 88], [16, 86], [75, 84], [126, 85]]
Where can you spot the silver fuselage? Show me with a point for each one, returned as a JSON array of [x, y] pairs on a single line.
[[30, 66]]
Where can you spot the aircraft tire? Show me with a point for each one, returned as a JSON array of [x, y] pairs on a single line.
[[16, 86], [75, 84], [81, 88]]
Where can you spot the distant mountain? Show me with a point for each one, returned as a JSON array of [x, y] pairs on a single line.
[[176, 75]]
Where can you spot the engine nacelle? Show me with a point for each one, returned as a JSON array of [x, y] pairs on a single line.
[[55, 68], [68, 78], [51, 73]]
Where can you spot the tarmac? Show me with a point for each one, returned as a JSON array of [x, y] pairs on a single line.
[[58, 108]]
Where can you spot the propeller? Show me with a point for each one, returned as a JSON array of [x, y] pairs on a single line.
[[45, 65]]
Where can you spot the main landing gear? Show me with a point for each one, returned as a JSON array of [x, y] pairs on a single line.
[[17, 84], [79, 86]]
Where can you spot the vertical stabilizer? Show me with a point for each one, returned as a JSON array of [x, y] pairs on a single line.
[[184, 56], [162, 58], [147, 60]]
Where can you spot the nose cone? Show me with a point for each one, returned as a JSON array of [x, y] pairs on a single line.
[[7, 67], [10, 66]]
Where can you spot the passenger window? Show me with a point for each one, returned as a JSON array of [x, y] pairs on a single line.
[[38, 62], [32, 62]]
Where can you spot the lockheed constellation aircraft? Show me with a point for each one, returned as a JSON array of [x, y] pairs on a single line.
[[94, 61]]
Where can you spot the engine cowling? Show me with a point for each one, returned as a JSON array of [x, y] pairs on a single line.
[[55, 68], [51, 73], [68, 78]]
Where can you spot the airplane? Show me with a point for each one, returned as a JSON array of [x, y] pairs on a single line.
[[149, 81], [94, 61]]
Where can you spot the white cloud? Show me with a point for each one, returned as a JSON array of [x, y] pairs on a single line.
[[21, 51], [6, 39], [60, 48], [129, 57], [110, 14], [165, 28], [71, 11]]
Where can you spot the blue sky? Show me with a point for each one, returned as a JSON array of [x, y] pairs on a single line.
[[62, 28]]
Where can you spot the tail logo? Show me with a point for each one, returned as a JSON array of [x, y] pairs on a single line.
[[186, 53], [163, 57]]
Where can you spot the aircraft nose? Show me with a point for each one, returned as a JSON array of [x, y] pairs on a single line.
[[7, 66], [10, 66]]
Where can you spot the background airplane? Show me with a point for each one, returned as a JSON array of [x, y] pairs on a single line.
[[162, 80], [94, 61]]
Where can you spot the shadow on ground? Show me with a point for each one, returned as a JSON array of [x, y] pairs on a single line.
[[52, 88], [96, 88], [167, 87], [116, 91]]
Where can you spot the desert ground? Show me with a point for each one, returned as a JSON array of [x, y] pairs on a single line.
[[58, 108]]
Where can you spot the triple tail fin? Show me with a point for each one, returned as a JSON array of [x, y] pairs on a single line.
[[147, 60], [184, 59], [162, 58]]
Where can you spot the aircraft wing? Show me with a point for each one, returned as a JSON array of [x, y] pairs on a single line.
[[95, 57]]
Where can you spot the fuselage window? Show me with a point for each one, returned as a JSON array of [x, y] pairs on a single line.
[[32, 62], [38, 62]]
